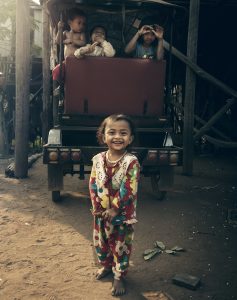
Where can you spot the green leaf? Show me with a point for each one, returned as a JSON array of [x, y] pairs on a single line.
[[170, 252], [160, 245], [148, 251], [151, 254], [178, 249]]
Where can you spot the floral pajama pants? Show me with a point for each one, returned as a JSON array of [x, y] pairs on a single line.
[[113, 245]]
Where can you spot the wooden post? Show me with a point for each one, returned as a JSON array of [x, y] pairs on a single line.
[[46, 74], [22, 87], [190, 89], [3, 133]]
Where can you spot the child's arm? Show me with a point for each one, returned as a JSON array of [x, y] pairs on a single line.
[[159, 32], [160, 50], [80, 52], [124, 202], [108, 49], [67, 37], [80, 41], [97, 209], [131, 46]]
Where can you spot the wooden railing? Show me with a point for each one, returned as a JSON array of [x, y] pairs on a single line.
[[219, 84]]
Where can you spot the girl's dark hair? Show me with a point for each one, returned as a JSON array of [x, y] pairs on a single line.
[[98, 26], [75, 12], [114, 118]]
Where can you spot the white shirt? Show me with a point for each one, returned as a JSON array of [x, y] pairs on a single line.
[[106, 49]]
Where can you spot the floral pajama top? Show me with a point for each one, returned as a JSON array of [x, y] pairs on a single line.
[[115, 186]]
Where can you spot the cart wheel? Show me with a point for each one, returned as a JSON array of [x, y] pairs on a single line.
[[56, 196], [159, 195]]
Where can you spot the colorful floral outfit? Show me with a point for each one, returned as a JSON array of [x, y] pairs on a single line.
[[114, 187]]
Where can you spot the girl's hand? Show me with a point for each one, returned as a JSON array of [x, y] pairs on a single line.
[[91, 48], [99, 40], [84, 51], [98, 214], [144, 29], [60, 25], [67, 41], [110, 213], [158, 32]]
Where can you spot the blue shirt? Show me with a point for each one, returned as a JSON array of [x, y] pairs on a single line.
[[143, 52]]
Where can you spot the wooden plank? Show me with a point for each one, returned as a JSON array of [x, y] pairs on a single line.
[[190, 88], [10, 169], [22, 87]]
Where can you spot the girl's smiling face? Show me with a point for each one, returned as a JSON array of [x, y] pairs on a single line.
[[148, 38], [117, 136]]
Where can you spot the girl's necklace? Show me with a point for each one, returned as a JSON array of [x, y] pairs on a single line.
[[113, 162]]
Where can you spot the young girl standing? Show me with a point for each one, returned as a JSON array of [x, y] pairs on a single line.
[[113, 190]]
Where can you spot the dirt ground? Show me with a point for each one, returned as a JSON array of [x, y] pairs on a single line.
[[46, 249]]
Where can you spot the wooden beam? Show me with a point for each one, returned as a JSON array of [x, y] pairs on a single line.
[[220, 143], [190, 86], [218, 132], [200, 72], [3, 131], [214, 118], [46, 74], [198, 119], [22, 87]]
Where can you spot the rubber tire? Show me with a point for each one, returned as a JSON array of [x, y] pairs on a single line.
[[158, 194], [56, 196]]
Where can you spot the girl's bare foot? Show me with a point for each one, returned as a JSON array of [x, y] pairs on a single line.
[[101, 273], [118, 288]]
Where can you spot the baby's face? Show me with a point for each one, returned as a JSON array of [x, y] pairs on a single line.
[[98, 34], [78, 24]]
